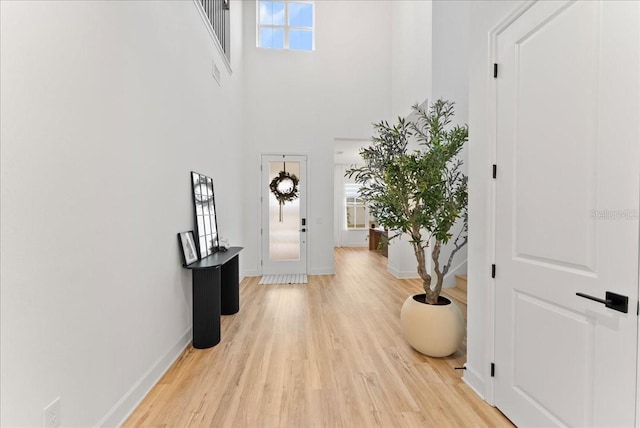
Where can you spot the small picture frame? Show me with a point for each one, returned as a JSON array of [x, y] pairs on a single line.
[[188, 246]]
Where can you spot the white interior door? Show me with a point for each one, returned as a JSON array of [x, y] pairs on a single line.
[[567, 214], [284, 224]]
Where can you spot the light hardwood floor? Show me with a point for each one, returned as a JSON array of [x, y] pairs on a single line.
[[325, 354]]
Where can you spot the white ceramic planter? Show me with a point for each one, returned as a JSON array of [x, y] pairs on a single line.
[[433, 330]]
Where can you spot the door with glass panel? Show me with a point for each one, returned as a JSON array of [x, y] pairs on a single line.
[[284, 217]]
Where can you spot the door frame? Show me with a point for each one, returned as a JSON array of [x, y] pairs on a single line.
[[260, 225], [491, 117], [638, 350], [492, 135]]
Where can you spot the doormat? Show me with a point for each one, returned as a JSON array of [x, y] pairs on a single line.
[[283, 279]]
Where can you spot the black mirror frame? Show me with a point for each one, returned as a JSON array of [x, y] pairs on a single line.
[[197, 178]]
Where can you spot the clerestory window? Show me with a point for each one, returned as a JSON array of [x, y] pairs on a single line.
[[286, 25]]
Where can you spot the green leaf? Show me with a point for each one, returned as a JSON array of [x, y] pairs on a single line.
[[418, 190]]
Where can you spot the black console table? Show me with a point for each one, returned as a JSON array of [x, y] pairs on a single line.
[[216, 291]]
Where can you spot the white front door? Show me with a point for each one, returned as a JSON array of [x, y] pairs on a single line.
[[284, 213], [567, 191]]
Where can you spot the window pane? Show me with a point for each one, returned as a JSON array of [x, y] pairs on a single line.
[[200, 223], [209, 187], [271, 13], [272, 38], [300, 40], [265, 38], [204, 250], [300, 14], [350, 217], [351, 189], [359, 217], [284, 220]]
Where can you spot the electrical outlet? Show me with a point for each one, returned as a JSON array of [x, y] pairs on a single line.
[[52, 414]]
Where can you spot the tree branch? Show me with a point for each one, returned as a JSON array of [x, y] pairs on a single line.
[[457, 246]]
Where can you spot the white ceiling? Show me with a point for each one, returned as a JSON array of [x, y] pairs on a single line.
[[346, 150]]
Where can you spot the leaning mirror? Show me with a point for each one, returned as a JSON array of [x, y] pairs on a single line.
[[205, 214]]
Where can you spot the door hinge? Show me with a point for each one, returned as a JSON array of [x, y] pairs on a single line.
[[638, 309], [260, 262], [493, 370], [495, 170], [495, 70], [493, 271]]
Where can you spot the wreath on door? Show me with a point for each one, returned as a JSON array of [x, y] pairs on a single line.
[[284, 187]]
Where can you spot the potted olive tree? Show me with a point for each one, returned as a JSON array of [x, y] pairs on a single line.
[[421, 193]]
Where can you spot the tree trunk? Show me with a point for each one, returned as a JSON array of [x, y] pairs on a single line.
[[416, 242], [435, 255]]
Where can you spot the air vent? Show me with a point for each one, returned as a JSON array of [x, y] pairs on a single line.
[[215, 72]]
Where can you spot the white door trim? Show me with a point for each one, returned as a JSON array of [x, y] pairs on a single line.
[[489, 298], [638, 309], [492, 107], [259, 214]]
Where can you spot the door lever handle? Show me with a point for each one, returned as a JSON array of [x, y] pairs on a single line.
[[614, 301]]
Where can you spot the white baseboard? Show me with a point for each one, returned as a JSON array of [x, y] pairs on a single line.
[[474, 381], [322, 271], [315, 271], [354, 244], [127, 404], [449, 280], [406, 274], [251, 272]]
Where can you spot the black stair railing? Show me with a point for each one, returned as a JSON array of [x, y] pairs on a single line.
[[217, 12]]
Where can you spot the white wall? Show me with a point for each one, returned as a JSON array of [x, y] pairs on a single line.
[[402, 261], [300, 102], [411, 77], [105, 108], [430, 52], [485, 15], [450, 33], [343, 236], [411, 55]]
